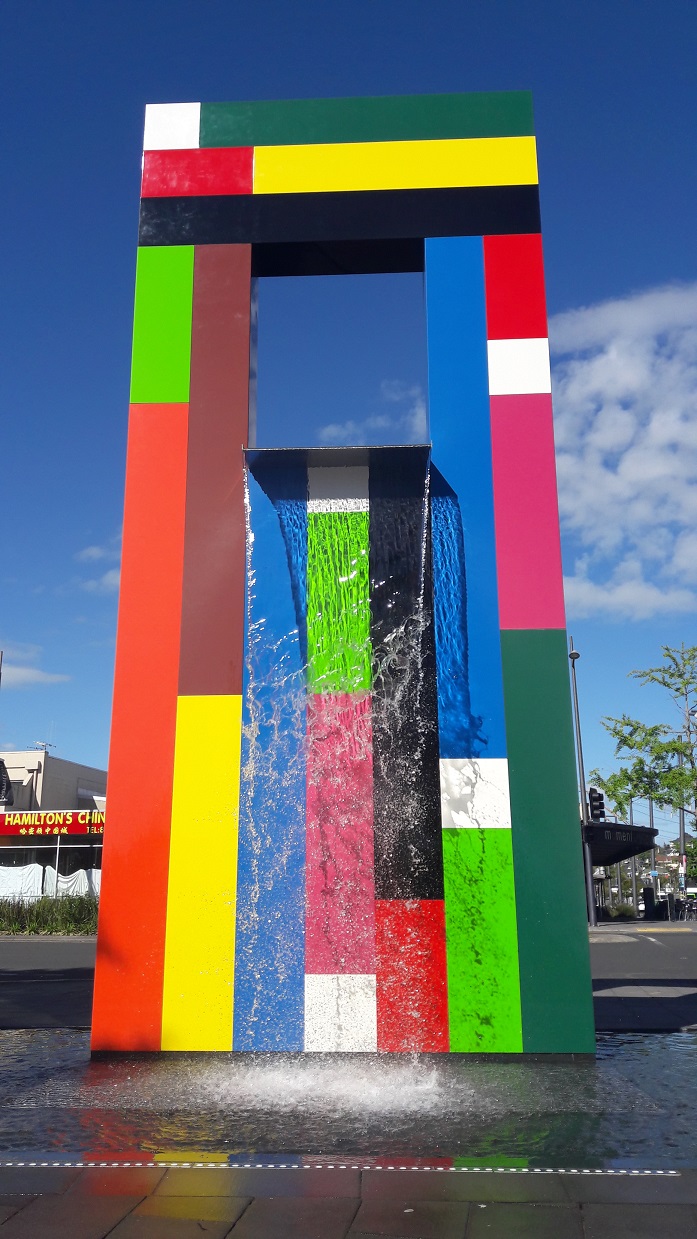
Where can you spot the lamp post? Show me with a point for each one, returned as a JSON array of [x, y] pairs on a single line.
[[587, 862]]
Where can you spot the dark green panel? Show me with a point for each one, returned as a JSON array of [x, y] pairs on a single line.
[[506, 114], [555, 979], [482, 945]]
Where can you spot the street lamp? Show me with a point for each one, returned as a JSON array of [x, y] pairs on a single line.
[[587, 862]]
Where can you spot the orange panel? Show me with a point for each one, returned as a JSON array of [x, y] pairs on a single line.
[[130, 945]]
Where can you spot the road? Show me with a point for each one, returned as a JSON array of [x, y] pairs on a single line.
[[644, 979]]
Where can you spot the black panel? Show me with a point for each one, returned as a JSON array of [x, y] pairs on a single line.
[[406, 783], [338, 257], [374, 216]]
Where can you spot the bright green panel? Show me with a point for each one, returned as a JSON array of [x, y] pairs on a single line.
[[162, 325], [482, 943], [555, 978], [338, 607], [383, 119]]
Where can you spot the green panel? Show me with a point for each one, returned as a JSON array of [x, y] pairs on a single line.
[[482, 944], [162, 325], [506, 114], [555, 978], [338, 606]]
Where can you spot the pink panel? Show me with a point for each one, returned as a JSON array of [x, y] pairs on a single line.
[[340, 886], [528, 554]]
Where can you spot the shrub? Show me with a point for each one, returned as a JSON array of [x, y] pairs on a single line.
[[69, 914]]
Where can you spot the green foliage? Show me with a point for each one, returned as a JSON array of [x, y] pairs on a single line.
[[662, 759], [69, 914], [691, 853]]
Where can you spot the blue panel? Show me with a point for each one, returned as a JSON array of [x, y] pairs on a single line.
[[270, 947], [468, 651]]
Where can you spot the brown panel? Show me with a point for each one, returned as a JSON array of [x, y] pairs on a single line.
[[212, 632]]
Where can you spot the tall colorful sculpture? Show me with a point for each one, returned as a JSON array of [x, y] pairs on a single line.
[[342, 803]]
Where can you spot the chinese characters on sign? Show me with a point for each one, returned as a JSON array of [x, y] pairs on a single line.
[[55, 822]]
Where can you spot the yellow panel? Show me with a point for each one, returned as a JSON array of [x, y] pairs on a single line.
[[200, 936], [394, 165]]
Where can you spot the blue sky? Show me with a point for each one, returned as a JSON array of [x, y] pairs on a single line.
[[614, 101]]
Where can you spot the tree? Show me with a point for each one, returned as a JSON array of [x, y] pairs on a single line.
[[655, 751]]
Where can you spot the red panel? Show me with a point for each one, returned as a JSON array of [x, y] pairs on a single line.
[[412, 989], [528, 552], [212, 634], [340, 882], [133, 903], [174, 174], [515, 287]]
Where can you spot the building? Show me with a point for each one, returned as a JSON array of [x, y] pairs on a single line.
[[42, 782], [52, 832]]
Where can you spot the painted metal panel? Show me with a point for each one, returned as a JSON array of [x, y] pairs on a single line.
[[515, 287], [359, 166], [171, 174], [411, 985], [340, 1014], [519, 367], [340, 884], [408, 855], [475, 793], [270, 938], [468, 658], [384, 118], [162, 325], [378, 215], [528, 550], [171, 126], [484, 996], [213, 606], [197, 1003], [555, 978], [131, 941], [338, 610]]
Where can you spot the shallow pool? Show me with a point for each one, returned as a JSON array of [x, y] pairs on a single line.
[[634, 1106]]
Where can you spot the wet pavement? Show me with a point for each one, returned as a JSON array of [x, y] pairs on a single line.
[[332, 1202]]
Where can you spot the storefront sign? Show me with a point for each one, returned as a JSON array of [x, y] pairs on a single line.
[[54, 822]]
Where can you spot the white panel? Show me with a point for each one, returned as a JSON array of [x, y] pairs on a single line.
[[343, 489], [474, 793], [340, 1014], [518, 367], [171, 126]]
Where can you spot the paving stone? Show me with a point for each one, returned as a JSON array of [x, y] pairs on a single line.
[[633, 1188], [12, 1204], [116, 1181], [446, 1185], [266, 1182], [169, 1228], [32, 1180], [408, 1219], [530, 1221], [68, 1217], [631, 1221], [296, 1218], [196, 1208]]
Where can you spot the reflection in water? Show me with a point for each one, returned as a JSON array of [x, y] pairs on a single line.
[[631, 1107]]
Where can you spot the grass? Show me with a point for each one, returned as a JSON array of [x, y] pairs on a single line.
[[69, 914]]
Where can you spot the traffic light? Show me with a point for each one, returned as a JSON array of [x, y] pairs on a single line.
[[596, 804]]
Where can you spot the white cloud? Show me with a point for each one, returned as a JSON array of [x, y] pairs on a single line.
[[90, 553], [107, 583], [19, 669], [406, 422], [625, 388]]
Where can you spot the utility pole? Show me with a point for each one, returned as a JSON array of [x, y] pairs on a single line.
[[654, 880], [587, 862], [635, 893], [682, 871]]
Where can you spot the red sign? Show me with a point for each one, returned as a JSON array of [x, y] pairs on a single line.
[[53, 822]]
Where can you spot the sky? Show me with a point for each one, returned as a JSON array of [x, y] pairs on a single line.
[[613, 88]]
